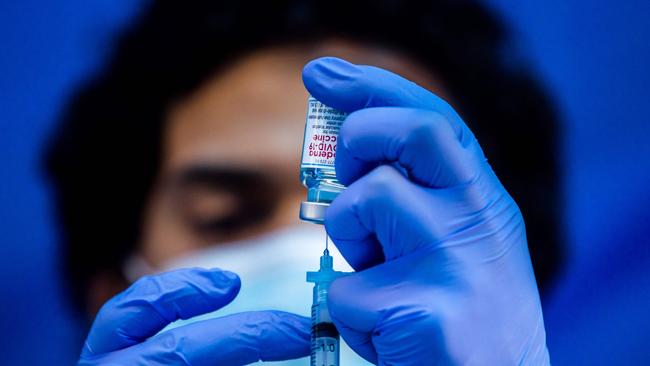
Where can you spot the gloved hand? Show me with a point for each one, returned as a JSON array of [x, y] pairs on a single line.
[[443, 271], [124, 332]]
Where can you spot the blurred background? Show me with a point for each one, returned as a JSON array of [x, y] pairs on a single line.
[[592, 56]]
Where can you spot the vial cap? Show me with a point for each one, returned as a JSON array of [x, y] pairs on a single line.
[[313, 211]]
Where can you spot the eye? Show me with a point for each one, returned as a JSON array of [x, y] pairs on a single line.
[[221, 204], [204, 207]]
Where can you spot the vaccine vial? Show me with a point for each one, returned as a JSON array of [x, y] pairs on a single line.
[[317, 164]]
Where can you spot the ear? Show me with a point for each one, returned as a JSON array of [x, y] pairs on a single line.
[[101, 287]]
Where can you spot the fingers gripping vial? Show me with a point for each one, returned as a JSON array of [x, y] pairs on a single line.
[[324, 336], [317, 164]]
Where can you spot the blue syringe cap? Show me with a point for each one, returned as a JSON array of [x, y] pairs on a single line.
[[326, 261]]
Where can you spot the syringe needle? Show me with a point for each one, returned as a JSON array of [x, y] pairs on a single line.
[[326, 252]]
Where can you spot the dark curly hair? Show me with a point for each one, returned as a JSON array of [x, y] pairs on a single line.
[[105, 154]]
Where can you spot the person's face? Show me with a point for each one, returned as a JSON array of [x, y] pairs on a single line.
[[231, 150]]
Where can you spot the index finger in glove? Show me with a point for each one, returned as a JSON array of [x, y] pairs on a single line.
[[237, 339], [153, 302], [349, 87], [420, 141], [371, 136]]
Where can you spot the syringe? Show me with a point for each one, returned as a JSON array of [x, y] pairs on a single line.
[[324, 336]]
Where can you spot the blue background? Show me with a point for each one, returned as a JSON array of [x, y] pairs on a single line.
[[593, 56]]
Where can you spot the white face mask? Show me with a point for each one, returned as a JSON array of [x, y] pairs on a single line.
[[272, 268]]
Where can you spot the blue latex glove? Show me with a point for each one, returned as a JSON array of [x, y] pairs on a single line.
[[443, 270], [124, 332]]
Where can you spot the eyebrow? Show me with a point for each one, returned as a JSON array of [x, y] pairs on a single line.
[[238, 178]]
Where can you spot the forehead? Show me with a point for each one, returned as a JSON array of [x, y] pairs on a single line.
[[250, 111], [252, 114]]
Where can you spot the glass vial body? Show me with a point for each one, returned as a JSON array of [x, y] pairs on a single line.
[[317, 172]]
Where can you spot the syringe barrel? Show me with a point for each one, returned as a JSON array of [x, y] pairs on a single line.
[[325, 342], [319, 311], [324, 336], [325, 345]]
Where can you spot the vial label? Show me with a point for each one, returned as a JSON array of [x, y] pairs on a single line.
[[321, 135]]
